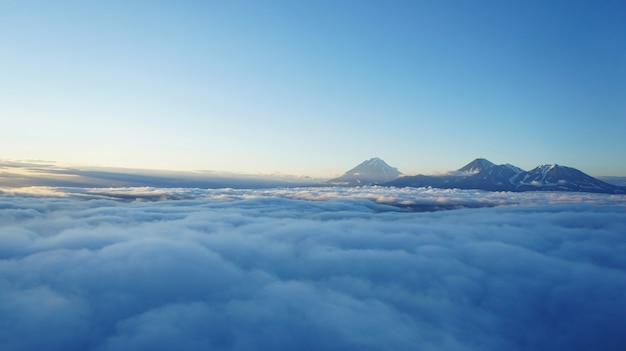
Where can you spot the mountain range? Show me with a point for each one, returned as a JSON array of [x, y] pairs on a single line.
[[480, 174]]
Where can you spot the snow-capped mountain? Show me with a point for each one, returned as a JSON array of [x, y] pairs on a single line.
[[478, 174], [484, 175], [372, 171], [561, 178], [494, 178], [479, 164]]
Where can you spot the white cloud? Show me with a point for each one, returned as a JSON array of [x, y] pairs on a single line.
[[272, 269], [382, 195]]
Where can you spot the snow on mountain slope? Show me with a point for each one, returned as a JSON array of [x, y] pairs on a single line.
[[476, 166], [484, 175], [372, 171], [494, 178], [562, 178]]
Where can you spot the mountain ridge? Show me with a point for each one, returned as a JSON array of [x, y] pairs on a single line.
[[506, 177], [480, 174]]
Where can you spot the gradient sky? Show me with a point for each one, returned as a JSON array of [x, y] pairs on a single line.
[[314, 87]]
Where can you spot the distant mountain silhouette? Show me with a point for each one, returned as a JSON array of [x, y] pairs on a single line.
[[369, 172], [484, 175], [561, 178], [477, 165]]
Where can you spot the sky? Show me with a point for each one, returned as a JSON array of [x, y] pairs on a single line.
[[227, 269], [314, 87]]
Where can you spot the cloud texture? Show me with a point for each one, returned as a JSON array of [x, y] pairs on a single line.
[[273, 270]]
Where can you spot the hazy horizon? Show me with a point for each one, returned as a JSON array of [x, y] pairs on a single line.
[[16, 164]]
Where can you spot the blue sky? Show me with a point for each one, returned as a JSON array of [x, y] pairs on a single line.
[[314, 87]]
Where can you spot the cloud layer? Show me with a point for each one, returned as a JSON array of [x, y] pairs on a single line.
[[273, 270]]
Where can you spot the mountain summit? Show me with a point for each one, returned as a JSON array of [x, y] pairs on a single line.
[[372, 171], [561, 178], [479, 164]]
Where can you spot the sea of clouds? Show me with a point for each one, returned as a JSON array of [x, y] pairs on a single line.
[[311, 269]]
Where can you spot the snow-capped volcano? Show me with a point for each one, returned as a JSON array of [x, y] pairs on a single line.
[[561, 178], [494, 178], [553, 174], [479, 164], [372, 171], [484, 175]]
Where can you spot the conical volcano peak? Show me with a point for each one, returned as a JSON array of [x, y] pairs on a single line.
[[375, 162], [372, 171], [479, 164], [375, 166]]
